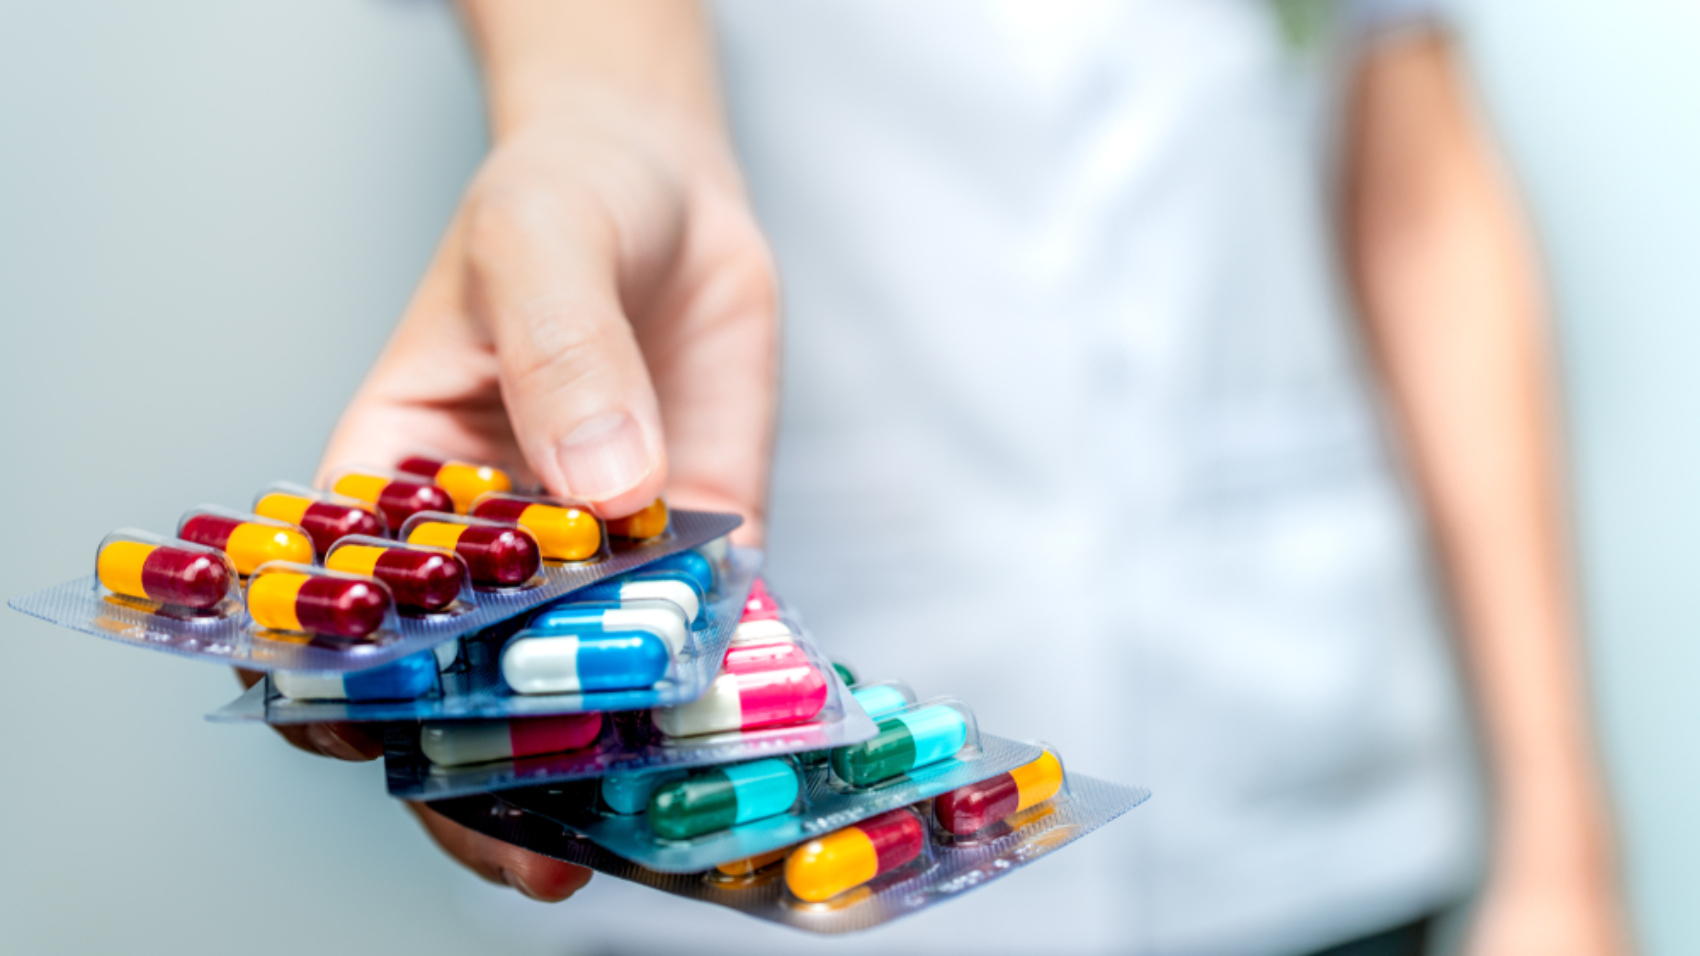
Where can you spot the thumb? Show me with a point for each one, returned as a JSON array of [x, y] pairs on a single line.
[[544, 281]]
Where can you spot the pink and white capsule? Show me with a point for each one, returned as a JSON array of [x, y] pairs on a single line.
[[762, 655], [762, 632], [748, 700]]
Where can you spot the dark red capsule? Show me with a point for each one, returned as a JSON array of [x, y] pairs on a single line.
[[495, 556], [189, 578], [337, 606], [328, 523]]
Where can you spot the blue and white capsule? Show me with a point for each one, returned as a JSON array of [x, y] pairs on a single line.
[[649, 585], [413, 676], [693, 565], [664, 619], [567, 662]]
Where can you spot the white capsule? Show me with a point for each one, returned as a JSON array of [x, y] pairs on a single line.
[[762, 632]]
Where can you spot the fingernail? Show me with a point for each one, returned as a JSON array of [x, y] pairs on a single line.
[[512, 879], [326, 740], [603, 457]]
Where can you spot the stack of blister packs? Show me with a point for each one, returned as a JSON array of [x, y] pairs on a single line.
[[624, 695]]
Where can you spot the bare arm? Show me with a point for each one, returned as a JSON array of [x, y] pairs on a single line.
[[601, 311], [1446, 274]]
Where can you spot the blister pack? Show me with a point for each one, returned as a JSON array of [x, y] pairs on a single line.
[[740, 811], [804, 707], [873, 871], [243, 589], [651, 639]]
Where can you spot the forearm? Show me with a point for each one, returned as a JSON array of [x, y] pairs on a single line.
[[1446, 278], [539, 55]]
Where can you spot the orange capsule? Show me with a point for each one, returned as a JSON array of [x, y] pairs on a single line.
[[651, 522]]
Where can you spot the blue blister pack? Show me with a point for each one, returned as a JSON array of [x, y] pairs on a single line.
[[474, 680], [449, 758]]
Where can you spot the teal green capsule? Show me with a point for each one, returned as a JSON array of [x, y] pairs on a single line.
[[722, 798], [904, 743], [845, 674]]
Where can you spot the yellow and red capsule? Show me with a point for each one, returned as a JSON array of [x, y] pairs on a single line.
[[426, 579], [565, 530], [298, 597], [464, 481], [968, 810], [497, 555], [249, 540], [827, 866], [396, 497], [137, 564], [326, 517]]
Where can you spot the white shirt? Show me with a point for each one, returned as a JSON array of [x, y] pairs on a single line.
[[1076, 429]]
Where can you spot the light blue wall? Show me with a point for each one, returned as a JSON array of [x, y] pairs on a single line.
[[1599, 105], [235, 198]]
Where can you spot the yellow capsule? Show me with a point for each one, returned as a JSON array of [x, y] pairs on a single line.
[[825, 867], [651, 522], [750, 865]]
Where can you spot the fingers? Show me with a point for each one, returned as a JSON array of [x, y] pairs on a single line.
[[537, 876], [543, 276], [351, 742]]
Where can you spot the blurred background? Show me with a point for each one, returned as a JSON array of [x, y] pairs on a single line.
[[195, 196]]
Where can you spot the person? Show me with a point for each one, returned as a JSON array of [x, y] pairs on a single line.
[[1169, 379]]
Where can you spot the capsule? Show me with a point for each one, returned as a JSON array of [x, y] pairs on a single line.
[[905, 742], [746, 701], [827, 866], [661, 618], [541, 663], [718, 552], [496, 555], [691, 564], [651, 522], [463, 481], [762, 632], [749, 865], [458, 743], [760, 607], [723, 798], [250, 540], [628, 793], [397, 499], [447, 652], [882, 700], [325, 517], [762, 656], [142, 565], [648, 585], [424, 578], [844, 672], [296, 597], [968, 810], [413, 676], [565, 531]]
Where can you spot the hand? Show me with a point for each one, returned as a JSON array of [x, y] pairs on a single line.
[[602, 311], [1550, 910]]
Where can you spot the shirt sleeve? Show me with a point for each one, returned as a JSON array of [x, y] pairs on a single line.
[[1367, 17]]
